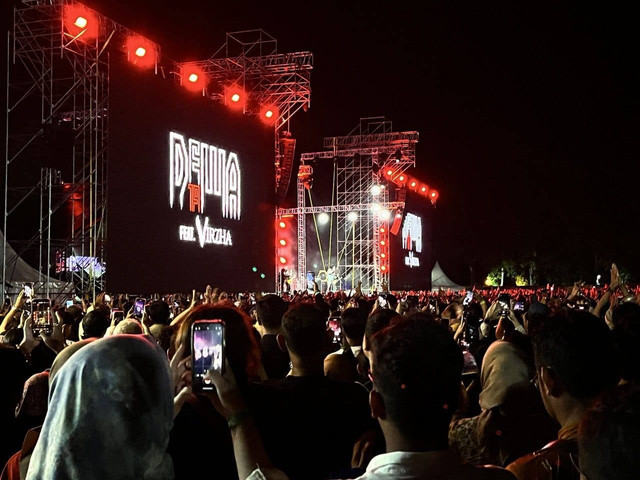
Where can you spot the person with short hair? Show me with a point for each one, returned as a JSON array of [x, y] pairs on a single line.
[[159, 312], [575, 362], [342, 365], [94, 325], [270, 309], [306, 413]]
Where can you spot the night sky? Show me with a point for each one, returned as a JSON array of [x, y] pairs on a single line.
[[527, 113]]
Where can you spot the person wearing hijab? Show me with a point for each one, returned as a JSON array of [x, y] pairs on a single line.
[[110, 414]]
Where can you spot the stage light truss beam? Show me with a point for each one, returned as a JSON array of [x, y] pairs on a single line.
[[356, 207]]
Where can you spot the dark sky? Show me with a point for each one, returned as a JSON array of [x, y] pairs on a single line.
[[527, 111]]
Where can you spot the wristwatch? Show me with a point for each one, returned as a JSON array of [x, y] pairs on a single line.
[[237, 418]]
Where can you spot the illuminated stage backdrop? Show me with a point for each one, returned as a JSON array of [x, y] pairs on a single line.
[[190, 190], [411, 249]]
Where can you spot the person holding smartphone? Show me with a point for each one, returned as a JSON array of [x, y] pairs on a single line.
[[197, 422]]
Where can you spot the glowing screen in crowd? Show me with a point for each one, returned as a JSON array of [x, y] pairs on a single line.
[[190, 194]]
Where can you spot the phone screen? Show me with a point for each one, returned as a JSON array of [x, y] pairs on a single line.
[[138, 308], [334, 325], [117, 315], [207, 350], [470, 364], [69, 303], [467, 298], [382, 301], [28, 291], [42, 316], [518, 306]]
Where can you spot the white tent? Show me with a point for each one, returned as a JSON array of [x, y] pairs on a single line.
[[20, 273], [439, 280]]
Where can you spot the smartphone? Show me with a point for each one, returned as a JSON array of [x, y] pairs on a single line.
[[138, 307], [117, 315], [470, 364], [28, 292], [467, 298], [336, 327], [107, 298], [69, 303], [382, 301], [518, 306], [42, 319], [207, 350]]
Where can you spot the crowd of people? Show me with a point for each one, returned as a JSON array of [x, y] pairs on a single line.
[[528, 383]]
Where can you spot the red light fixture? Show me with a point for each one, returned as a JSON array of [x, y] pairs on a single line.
[[193, 77], [235, 97], [141, 52], [389, 172], [80, 22], [282, 224], [424, 189], [383, 243], [434, 196], [383, 255], [413, 184], [283, 260], [382, 230], [401, 178], [383, 268], [269, 114], [283, 242]]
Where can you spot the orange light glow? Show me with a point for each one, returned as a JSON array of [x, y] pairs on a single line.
[[193, 78], [283, 260], [283, 242], [282, 225], [81, 22]]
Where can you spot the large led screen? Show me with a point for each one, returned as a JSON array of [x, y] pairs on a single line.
[[411, 248], [190, 190]]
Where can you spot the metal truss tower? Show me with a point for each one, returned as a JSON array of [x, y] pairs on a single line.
[[68, 79], [360, 156]]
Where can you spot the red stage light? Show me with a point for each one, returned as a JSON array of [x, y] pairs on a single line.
[[81, 22], [424, 189], [269, 114], [283, 260], [401, 178], [283, 242], [434, 195], [389, 172], [382, 230], [193, 77], [141, 52], [383, 268], [383, 255], [413, 184], [383, 243], [282, 225], [235, 97]]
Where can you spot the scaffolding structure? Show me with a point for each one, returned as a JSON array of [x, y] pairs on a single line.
[[67, 78], [361, 158]]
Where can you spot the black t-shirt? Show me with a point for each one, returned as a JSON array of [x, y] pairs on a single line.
[[274, 360], [310, 424]]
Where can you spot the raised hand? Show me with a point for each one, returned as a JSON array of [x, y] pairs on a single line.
[[54, 340], [29, 342]]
